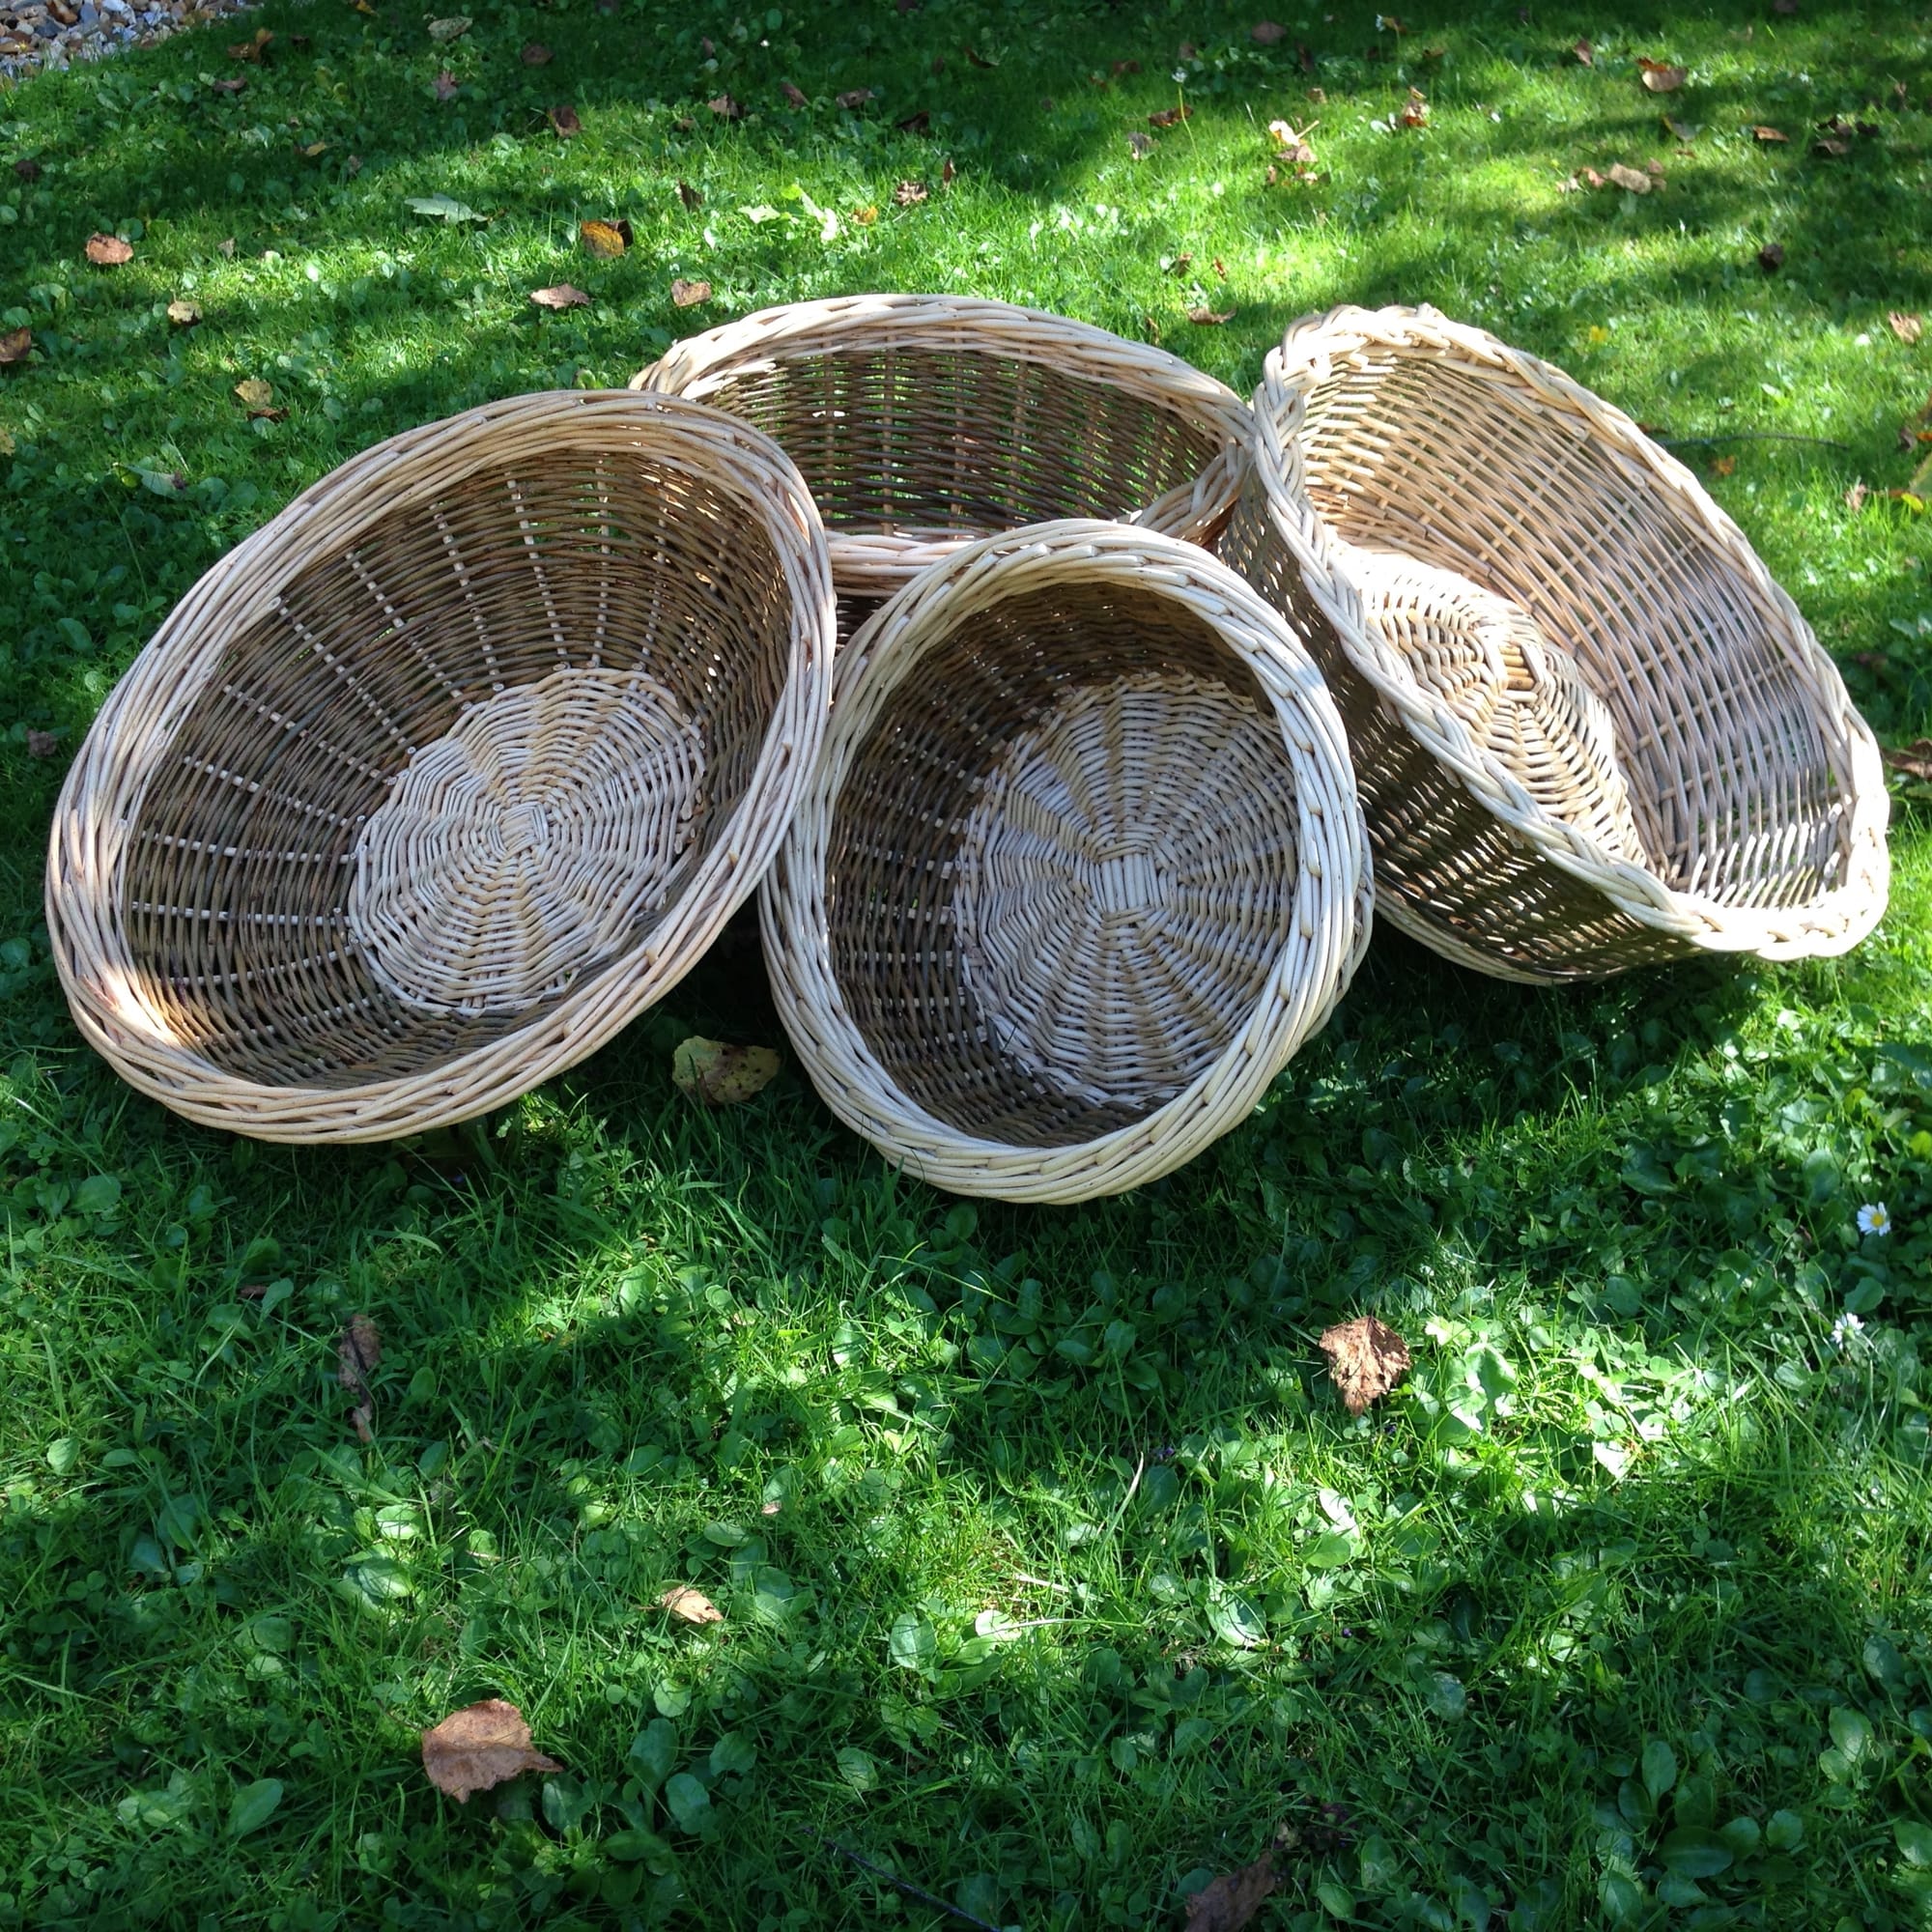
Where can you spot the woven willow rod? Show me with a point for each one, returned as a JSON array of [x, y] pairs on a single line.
[[1590, 731], [434, 783], [1080, 869], [923, 422]]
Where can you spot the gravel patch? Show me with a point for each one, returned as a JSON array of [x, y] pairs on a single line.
[[56, 33]]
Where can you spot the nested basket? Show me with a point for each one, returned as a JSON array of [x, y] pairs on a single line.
[[1590, 731], [430, 786], [922, 422], [1081, 865]]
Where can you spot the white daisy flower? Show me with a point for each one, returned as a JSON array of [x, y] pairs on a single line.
[[1846, 1329], [1874, 1219]]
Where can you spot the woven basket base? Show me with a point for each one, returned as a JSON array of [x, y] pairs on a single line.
[[528, 843], [1128, 881]]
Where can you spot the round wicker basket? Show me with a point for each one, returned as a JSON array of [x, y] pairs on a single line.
[[922, 422], [1080, 868], [429, 787], [1590, 731]]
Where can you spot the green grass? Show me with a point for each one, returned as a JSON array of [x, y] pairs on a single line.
[[1079, 1580]]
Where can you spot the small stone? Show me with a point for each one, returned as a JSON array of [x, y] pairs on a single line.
[[47, 29], [89, 16]]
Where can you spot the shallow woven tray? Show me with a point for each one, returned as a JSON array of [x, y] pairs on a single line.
[[922, 422], [1080, 868], [433, 783], [1680, 771]]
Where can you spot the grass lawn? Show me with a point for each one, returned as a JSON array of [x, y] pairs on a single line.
[[1054, 1577]]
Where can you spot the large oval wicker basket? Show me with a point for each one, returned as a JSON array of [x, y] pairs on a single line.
[[1081, 866], [1590, 731], [924, 421], [430, 786]]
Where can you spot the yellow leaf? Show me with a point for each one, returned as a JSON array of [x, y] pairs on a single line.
[[693, 1606], [605, 237], [255, 393], [721, 1075]]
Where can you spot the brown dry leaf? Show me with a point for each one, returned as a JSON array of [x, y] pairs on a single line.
[[39, 743], [314, 149], [1907, 328], [7, 448], [721, 1075], [1180, 265], [1855, 496], [561, 297], [948, 172], [1585, 53], [693, 1606], [1366, 1359], [1266, 33], [1661, 77], [15, 345], [234, 86], [108, 252], [444, 85], [256, 49], [920, 122], [1914, 760], [1415, 111], [1220, 268], [359, 1347], [725, 107], [1768, 136], [27, 171], [1140, 146], [1829, 148], [1210, 317], [1233, 1899], [688, 295], [608, 238], [1633, 178], [563, 119], [795, 95], [865, 217], [451, 29], [254, 394], [853, 98], [183, 313], [536, 54], [1122, 66], [1723, 466], [909, 193], [1771, 257], [689, 195], [1170, 117], [479, 1748]]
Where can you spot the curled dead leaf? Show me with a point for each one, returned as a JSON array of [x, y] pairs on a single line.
[[1180, 265], [1210, 317], [1635, 179], [256, 49], [1771, 257], [1268, 33], [1140, 146], [865, 217], [563, 121], [536, 54], [479, 1748], [693, 1606], [689, 195], [854, 98], [1723, 466], [108, 252], [359, 1347], [1233, 1899], [1768, 136], [978, 59], [1366, 1359], [233, 86], [1170, 117], [607, 238], [725, 107], [253, 394], [561, 297], [919, 120], [1907, 328], [1415, 111], [1585, 55], [794, 96], [688, 295], [183, 313], [721, 1075], [444, 85], [15, 343], [1914, 760], [948, 172], [1855, 496], [1661, 77], [909, 193], [1686, 131], [452, 28]]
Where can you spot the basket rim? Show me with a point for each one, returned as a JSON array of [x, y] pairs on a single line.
[[1334, 893], [1832, 920], [876, 563], [127, 743]]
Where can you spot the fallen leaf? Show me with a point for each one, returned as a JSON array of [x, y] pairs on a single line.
[[1855, 496], [1415, 111], [1210, 317], [693, 1606], [443, 207], [1585, 53], [1633, 178], [866, 215], [684, 124], [689, 195], [909, 193], [688, 295], [978, 59], [1170, 117], [1233, 1899], [41, 744], [256, 49], [1829, 148], [853, 98], [1122, 66], [1661, 77], [1771, 257], [1768, 136], [795, 95], [254, 393], [1220, 269], [232, 86], [452, 29], [1266, 33], [1366, 1359], [1180, 265], [1914, 760], [359, 1348], [563, 119], [563, 295], [725, 107], [183, 313], [919, 120], [1592, 179], [1683, 130], [1907, 328], [1292, 143], [721, 1075], [479, 1748], [313, 150], [226, 247], [607, 238], [15, 345], [707, 47], [1387, 23], [1140, 146], [948, 172], [108, 252], [536, 54], [27, 171], [1723, 466], [444, 85]]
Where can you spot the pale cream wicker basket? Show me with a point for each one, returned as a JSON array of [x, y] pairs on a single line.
[[435, 782], [1080, 868], [1590, 731], [924, 421]]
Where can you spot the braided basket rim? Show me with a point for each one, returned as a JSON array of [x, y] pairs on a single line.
[[868, 563], [1832, 920], [127, 743], [1334, 886]]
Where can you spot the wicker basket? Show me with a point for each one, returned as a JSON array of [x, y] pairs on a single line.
[[1081, 866], [922, 422], [429, 787], [1590, 731]]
